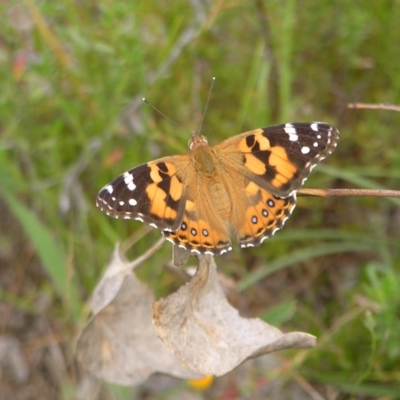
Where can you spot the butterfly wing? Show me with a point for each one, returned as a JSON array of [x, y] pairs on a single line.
[[280, 158], [158, 194], [271, 164], [202, 230], [153, 193], [264, 215]]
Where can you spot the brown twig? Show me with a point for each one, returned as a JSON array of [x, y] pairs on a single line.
[[133, 239], [382, 106], [147, 254], [349, 192]]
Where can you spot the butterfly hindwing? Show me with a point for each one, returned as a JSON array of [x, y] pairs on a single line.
[[199, 237], [153, 193], [264, 215], [201, 231]]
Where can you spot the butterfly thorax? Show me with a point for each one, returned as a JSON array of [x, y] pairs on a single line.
[[204, 160]]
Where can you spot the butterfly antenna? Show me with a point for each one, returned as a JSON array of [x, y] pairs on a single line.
[[161, 113], [208, 100]]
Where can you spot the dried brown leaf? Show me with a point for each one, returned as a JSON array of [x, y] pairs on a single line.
[[119, 344], [207, 334]]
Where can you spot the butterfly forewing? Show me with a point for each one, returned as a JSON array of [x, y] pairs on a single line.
[[280, 158], [152, 193], [305, 146]]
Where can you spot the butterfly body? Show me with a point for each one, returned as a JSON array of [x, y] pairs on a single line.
[[245, 185]]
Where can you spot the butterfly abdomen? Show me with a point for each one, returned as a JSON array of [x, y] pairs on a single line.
[[220, 199]]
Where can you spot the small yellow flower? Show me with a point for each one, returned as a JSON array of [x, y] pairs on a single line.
[[202, 383]]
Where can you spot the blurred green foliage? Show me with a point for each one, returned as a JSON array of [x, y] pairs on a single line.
[[71, 118]]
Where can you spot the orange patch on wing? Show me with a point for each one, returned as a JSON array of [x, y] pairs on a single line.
[[155, 174], [157, 196], [170, 213], [154, 193], [190, 205], [158, 205], [176, 189], [155, 171], [243, 146], [252, 188], [263, 142], [255, 165], [284, 168], [171, 168]]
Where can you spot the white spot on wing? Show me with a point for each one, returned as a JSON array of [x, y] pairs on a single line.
[[289, 128], [291, 131], [128, 178], [314, 127], [305, 150], [131, 186], [109, 189], [132, 202]]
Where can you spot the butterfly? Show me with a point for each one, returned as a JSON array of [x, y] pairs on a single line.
[[245, 185]]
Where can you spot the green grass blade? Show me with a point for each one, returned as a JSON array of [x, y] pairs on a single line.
[[48, 250]]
